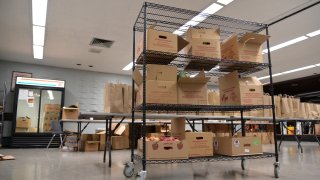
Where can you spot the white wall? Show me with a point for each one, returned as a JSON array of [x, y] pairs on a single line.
[[84, 87]]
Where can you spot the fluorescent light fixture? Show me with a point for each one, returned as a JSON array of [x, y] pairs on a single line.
[[38, 35], [225, 2], [299, 69], [285, 44], [291, 71], [213, 8], [50, 95], [314, 33], [39, 12], [37, 52], [128, 67]]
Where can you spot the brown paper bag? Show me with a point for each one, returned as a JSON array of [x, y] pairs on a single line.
[[113, 98], [285, 107], [309, 110], [303, 113], [277, 104], [267, 101], [214, 99], [296, 107], [127, 98]]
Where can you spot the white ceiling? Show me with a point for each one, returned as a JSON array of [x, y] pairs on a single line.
[[72, 24]]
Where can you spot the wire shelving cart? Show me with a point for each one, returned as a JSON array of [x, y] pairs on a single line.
[[170, 19]]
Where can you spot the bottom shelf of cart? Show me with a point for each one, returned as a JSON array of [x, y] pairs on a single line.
[[207, 159]]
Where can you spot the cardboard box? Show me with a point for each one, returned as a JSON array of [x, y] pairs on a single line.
[[155, 134], [163, 91], [21, 129], [163, 150], [32, 129], [317, 129], [240, 91], [120, 142], [203, 42], [89, 146], [200, 144], [52, 108], [122, 130], [178, 128], [23, 122], [70, 113], [236, 146], [161, 41], [248, 48], [193, 90]]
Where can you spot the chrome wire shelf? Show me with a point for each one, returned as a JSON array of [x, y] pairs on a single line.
[[166, 18], [204, 108], [214, 158]]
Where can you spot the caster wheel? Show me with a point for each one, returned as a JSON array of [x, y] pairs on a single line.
[[243, 164], [128, 170], [142, 175], [276, 170]]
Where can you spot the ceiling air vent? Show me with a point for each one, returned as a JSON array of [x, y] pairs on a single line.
[[101, 42]]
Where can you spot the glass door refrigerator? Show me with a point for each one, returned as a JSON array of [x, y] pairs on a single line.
[[37, 102]]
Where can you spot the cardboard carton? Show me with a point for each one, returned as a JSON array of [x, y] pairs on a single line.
[[247, 48], [203, 42], [178, 127], [164, 90], [23, 122], [21, 129], [240, 91], [52, 108], [193, 90], [70, 113], [163, 150], [236, 146], [161, 41], [200, 144], [120, 142], [89, 146]]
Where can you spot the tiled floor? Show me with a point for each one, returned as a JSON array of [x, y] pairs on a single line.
[[52, 164]]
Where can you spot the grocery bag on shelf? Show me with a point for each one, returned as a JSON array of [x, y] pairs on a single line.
[[303, 113], [267, 101], [286, 106], [296, 107], [277, 104]]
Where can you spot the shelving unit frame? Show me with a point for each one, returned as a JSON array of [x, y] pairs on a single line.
[[170, 19]]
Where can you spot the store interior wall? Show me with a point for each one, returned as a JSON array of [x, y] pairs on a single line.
[[83, 87]]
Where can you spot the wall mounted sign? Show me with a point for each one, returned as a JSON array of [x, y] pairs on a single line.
[[40, 82]]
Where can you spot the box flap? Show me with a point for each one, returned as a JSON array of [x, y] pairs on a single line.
[[203, 33], [181, 43], [199, 79], [249, 81], [137, 76], [119, 131], [253, 38], [230, 38]]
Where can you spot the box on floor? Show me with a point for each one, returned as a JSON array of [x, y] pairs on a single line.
[[240, 91]]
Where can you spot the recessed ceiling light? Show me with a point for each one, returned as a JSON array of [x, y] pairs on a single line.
[[128, 67], [288, 43], [79, 64], [314, 33], [38, 35], [37, 52], [225, 2], [39, 12], [90, 66]]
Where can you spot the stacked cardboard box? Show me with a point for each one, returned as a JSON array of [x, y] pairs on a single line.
[[51, 112], [240, 91], [247, 48], [161, 84], [203, 42], [193, 90], [89, 142], [23, 124], [120, 139], [70, 113]]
